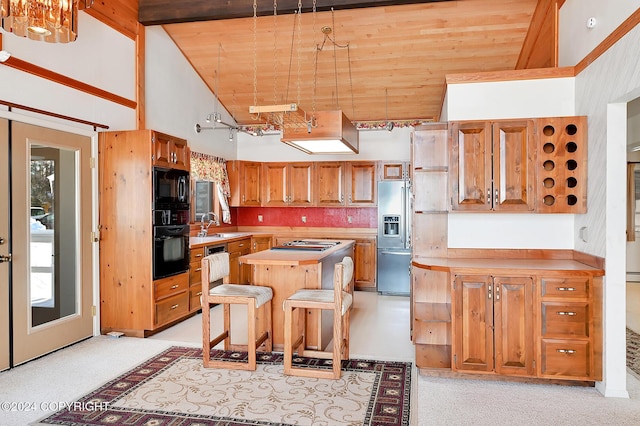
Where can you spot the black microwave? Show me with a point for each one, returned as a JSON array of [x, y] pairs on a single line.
[[170, 189]]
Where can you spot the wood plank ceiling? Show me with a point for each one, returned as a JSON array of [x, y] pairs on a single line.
[[393, 69]]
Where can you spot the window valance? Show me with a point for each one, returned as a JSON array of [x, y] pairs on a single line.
[[210, 168]]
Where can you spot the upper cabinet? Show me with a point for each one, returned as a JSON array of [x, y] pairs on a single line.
[[245, 181], [170, 152], [362, 185], [329, 182], [395, 170], [492, 165], [519, 165], [288, 184]]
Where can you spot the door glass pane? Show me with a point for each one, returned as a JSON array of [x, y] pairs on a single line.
[[53, 249]]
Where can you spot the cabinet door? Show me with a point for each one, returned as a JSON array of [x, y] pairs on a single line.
[[473, 323], [275, 184], [365, 264], [330, 179], [362, 186], [471, 166], [513, 326], [513, 165], [394, 170], [300, 184], [260, 243], [250, 181], [181, 154], [161, 150]]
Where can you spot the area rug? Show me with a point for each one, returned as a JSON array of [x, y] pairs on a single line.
[[633, 352], [173, 388]]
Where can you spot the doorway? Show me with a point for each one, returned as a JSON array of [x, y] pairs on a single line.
[[46, 279]]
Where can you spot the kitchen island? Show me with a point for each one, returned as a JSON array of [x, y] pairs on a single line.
[[289, 269]]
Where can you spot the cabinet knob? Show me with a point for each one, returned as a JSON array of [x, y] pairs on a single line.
[[566, 288], [173, 287], [571, 314], [488, 196], [174, 306], [566, 351]]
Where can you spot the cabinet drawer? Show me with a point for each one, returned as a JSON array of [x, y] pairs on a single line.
[[196, 254], [195, 273], [565, 320], [194, 297], [565, 287], [565, 358], [172, 308], [170, 285], [242, 246]]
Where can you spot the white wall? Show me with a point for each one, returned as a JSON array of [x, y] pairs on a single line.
[[502, 100], [374, 145], [602, 92], [575, 39], [177, 98], [100, 57]]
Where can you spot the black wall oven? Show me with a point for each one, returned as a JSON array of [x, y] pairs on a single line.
[[170, 222], [170, 250]]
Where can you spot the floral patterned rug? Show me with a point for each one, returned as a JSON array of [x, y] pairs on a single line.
[[633, 352], [173, 388]]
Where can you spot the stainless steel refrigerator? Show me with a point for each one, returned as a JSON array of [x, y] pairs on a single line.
[[394, 237]]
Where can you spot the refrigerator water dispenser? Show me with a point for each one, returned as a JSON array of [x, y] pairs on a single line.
[[391, 225]]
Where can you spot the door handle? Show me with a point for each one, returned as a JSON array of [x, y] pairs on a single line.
[[6, 258]]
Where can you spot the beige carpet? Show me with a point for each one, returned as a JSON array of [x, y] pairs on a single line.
[[174, 388]]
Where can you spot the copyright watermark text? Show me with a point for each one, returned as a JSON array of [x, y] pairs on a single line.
[[54, 406]]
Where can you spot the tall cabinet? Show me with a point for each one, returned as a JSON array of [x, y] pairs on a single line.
[[130, 300], [430, 293]]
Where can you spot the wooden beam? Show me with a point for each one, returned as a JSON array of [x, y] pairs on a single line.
[[154, 12]]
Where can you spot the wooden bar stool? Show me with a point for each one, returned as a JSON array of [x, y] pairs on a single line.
[[257, 299], [339, 300]]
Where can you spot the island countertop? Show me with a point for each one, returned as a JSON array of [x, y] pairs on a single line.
[[293, 257]]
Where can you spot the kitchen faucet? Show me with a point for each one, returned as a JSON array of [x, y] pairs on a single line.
[[203, 231]]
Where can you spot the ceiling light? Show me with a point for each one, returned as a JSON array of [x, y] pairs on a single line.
[[43, 20], [332, 134]]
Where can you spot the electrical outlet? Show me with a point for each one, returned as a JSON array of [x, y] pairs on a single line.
[[304, 219], [259, 218], [349, 219]]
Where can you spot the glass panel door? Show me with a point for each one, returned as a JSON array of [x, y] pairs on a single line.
[[51, 226]]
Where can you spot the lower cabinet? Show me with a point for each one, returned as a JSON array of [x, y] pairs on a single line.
[[364, 258], [493, 324], [195, 278], [171, 297], [239, 273]]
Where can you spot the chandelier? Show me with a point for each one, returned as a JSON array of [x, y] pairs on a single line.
[[53, 21]]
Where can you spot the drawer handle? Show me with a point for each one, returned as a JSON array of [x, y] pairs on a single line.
[[173, 287], [240, 245], [567, 313], [198, 269], [199, 293], [198, 255], [174, 306], [566, 288], [566, 351]]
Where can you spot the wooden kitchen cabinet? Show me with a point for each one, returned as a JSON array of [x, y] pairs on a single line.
[[170, 152], [239, 273], [245, 182], [260, 243], [130, 300], [492, 165], [395, 170], [195, 278], [329, 183], [288, 184], [364, 270], [493, 324], [362, 185], [570, 315]]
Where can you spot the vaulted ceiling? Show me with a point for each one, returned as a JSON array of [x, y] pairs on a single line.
[[393, 68]]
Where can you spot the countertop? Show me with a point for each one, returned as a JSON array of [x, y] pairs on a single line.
[[506, 265], [197, 242], [293, 257]]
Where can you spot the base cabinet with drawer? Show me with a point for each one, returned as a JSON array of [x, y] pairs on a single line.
[[195, 278], [570, 328], [171, 297], [239, 273]]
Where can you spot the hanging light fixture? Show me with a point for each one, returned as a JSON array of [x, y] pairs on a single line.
[[53, 21]]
